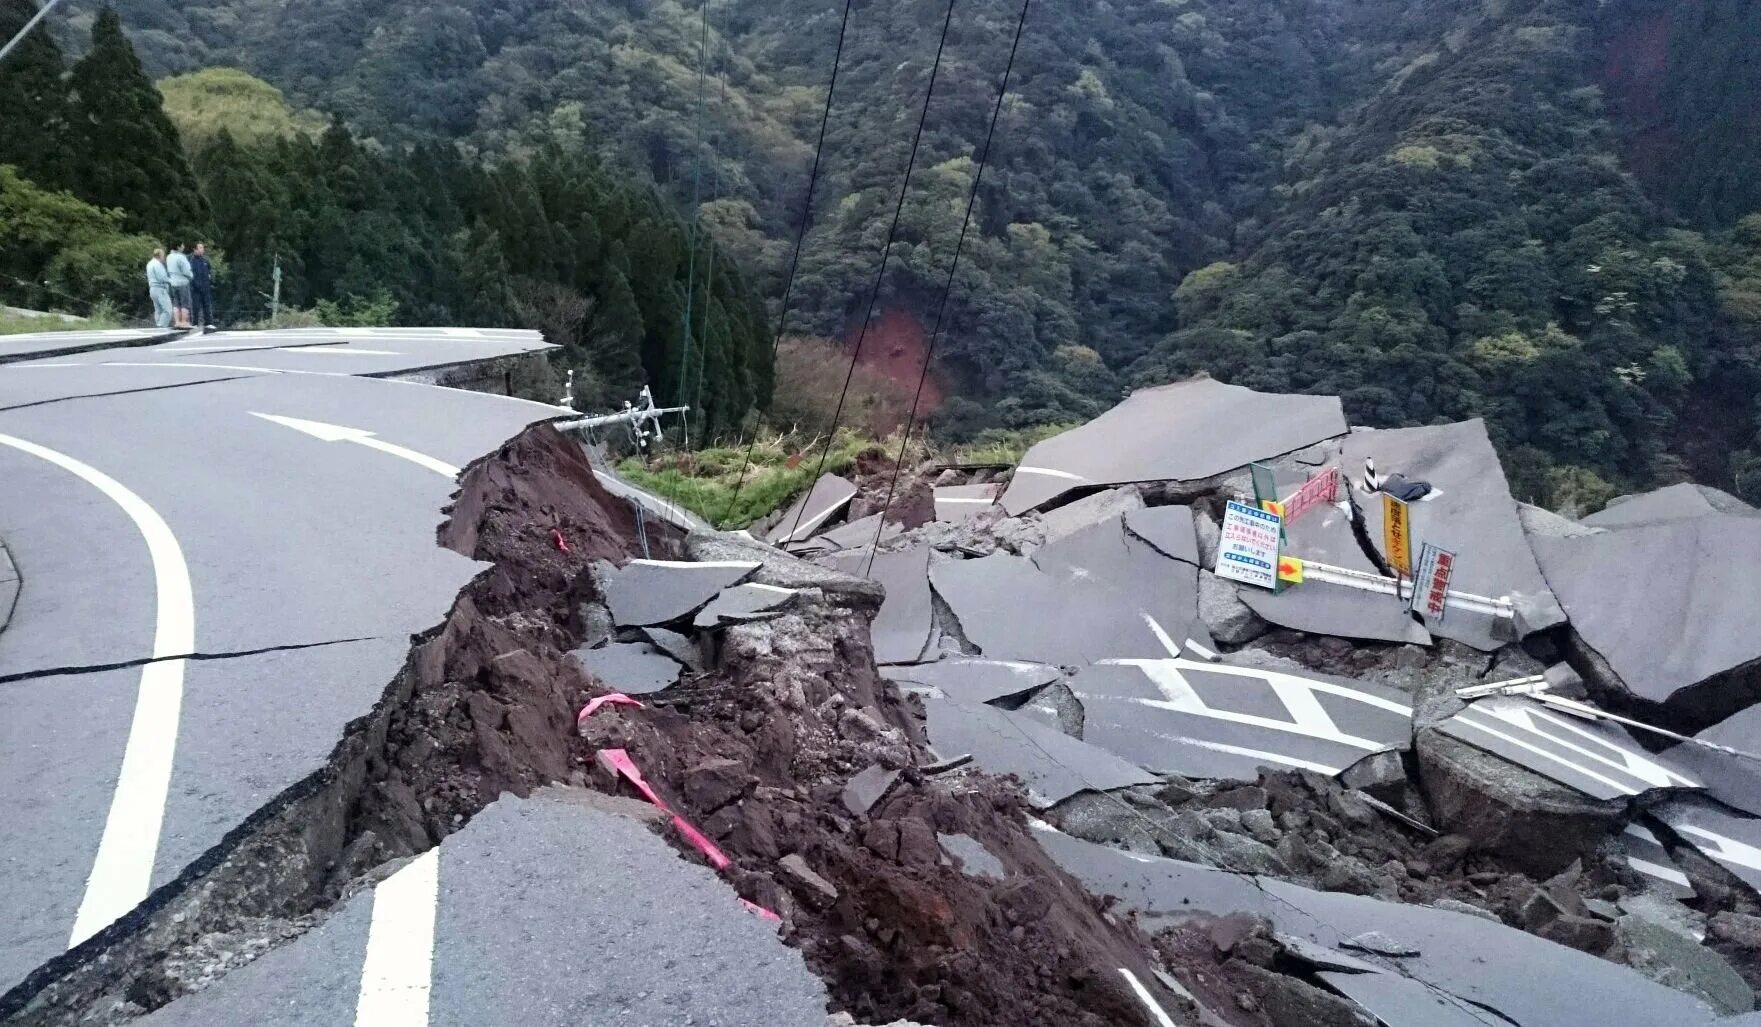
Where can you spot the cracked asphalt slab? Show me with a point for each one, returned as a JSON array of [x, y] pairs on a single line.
[[536, 892], [280, 537]]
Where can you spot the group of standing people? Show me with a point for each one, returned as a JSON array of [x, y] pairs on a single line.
[[182, 287]]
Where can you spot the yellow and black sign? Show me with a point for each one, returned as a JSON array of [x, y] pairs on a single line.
[[1396, 535]]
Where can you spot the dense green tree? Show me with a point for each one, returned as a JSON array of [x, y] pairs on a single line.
[[131, 157], [33, 93]]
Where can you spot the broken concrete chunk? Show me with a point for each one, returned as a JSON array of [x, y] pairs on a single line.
[[813, 889], [1325, 608], [1228, 720], [1536, 823], [1051, 764], [779, 568], [1621, 585], [646, 592], [1599, 759], [750, 601], [1728, 839], [1381, 774], [1172, 433], [1380, 944], [679, 647], [634, 668], [901, 628], [976, 681], [1230, 620], [975, 859], [1647, 856], [1681, 502], [807, 515], [1471, 514], [715, 782], [596, 625], [1732, 779], [958, 502], [1088, 512], [1681, 962], [1169, 528], [868, 787]]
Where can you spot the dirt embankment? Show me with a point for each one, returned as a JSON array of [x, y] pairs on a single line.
[[758, 752]]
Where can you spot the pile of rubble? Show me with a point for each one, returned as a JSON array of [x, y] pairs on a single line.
[[1032, 760], [1566, 756]]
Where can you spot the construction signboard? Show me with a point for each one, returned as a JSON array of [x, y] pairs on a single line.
[[1397, 535], [1248, 551], [1430, 592], [1322, 488]]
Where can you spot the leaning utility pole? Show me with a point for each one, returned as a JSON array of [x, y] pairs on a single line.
[[275, 297], [641, 419]]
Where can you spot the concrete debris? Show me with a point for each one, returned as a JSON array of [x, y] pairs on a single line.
[[1052, 765], [740, 603], [901, 630], [959, 502], [1731, 777], [647, 592], [859, 533], [1597, 758], [812, 888], [1169, 528], [1682, 502], [1223, 611], [776, 567], [1472, 515], [868, 787], [976, 680], [1326, 608], [634, 668], [802, 519], [975, 859], [1131, 442], [683, 648], [1088, 511], [1729, 839], [1686, 646]]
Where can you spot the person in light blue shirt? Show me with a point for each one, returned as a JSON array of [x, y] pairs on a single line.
[[177, 266], [159, 288]]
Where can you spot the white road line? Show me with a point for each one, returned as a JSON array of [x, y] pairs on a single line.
[[1050, 473], [398, 974], [122, 870], [1662, 873], [338, 433], [1148, 1000], [334, 352]]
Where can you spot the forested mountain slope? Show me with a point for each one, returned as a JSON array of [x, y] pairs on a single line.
[[1439, 209]]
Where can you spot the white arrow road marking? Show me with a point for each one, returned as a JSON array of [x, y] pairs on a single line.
[[397, 977], [337, 433], [122, 871]]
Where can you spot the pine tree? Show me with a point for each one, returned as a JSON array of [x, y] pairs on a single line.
[[129, 153], [33, 95]]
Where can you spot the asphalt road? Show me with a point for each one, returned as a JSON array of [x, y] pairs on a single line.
[[154, 514], [548, 912]]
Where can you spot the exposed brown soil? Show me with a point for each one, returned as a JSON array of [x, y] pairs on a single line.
[[896, 346], [757, 753]]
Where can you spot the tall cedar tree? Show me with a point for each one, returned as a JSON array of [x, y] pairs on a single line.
[[33, 93], [131, 155]]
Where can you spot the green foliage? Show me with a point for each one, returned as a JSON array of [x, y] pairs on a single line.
[[34, 97], [133, 160], [204, 103], [17, 324], [60, 248], [704, 482]]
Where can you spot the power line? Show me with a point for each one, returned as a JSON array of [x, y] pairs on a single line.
[[886, 255], [800, 237], [935, 334], [23, 32]]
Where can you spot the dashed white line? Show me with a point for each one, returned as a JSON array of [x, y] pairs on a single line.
[[398, 974], [122, 870]]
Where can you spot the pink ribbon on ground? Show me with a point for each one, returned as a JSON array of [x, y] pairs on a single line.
[[593, 705], [619, 762], [761, 911]]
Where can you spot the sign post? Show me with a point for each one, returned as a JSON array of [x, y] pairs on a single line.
[[1397, 536], [1430, 587], [1248, 550]]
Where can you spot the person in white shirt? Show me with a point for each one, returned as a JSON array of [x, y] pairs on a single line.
[[159, 288], [177, 267]]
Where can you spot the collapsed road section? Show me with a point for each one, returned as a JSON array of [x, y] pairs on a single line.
[[1040, 761]]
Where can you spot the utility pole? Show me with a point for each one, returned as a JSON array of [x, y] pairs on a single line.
[[275, 297], [23, 32]]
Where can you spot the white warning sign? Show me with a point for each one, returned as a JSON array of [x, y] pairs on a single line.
[[1248, 551]]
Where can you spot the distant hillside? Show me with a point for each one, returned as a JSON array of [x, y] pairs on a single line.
[[1397, 200]]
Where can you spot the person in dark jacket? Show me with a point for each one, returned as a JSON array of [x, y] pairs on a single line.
[[202, 287]]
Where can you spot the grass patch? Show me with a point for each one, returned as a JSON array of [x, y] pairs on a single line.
[[20, 324], [1001, 446], [704, 482]]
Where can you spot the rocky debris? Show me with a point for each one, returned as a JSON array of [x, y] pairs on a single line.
[[1220, 606], [1050, 764], [778, 568], [1681, 962], [1088, 511], [651, 592], [975, 680], [1507, 810], [901, 630], [751, 601], [974, 858], [1732, 777], [868, 787], [811, 888], [634, 668]]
